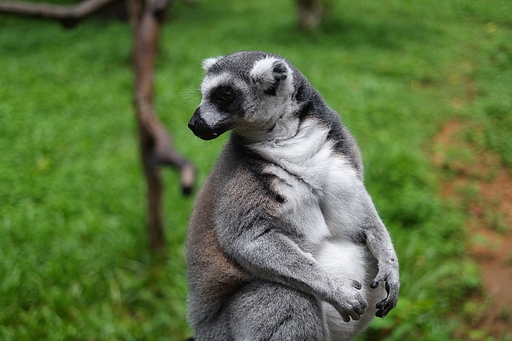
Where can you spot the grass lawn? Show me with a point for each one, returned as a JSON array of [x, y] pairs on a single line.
[[74, 261]]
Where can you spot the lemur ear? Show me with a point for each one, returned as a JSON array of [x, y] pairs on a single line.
[[208, 62], [269, 73]]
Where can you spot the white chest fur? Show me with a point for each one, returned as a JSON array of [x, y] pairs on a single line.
[[324, 207], [324, 196]]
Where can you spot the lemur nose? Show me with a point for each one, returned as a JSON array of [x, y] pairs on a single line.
[[196, 121], [191, 124]]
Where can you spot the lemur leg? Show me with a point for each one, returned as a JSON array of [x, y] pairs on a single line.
[[264, 311]]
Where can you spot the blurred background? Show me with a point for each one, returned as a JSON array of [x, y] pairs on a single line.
[[425, 87]]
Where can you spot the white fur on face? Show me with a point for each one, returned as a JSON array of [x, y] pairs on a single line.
[[262, 73], [210, 82], [265, 111], [208, 62], [211, 117], [210, 114]]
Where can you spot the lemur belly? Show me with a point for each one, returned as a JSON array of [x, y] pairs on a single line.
[[344, 258], [325, 223]]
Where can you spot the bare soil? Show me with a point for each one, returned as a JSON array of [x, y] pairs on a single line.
[[476, 180]]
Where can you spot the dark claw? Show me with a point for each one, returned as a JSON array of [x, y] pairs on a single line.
[[380, 305], [359, 312], [383, 308], [356, 317], [380, 313]]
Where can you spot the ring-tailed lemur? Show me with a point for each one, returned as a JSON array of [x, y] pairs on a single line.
[[284, 242]]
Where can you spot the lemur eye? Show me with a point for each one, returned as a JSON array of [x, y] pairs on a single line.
[[223, 95], [225, 98]]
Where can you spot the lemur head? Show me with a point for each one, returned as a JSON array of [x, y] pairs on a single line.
[[251, 93]]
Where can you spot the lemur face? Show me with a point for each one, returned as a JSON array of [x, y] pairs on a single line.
[[246, 92]]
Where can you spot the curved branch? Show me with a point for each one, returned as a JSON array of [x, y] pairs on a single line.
[[68, 15], [162, 146]]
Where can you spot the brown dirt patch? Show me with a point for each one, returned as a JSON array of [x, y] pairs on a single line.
[[475, 179]]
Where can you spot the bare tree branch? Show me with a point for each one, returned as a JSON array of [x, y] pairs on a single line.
[[68, 15], [155, 142]]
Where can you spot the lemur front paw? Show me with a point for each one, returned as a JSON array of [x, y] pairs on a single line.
[[348, 301], [392, 285]]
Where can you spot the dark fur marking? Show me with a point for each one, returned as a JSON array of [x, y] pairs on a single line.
[[233, 105], [279, 67], [361, 238], [254, 163], [272, 90]]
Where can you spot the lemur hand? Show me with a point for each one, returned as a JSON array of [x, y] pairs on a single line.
[[347, 300], [392, 285]]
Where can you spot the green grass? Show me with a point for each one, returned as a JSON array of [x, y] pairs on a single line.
[[74, 262]]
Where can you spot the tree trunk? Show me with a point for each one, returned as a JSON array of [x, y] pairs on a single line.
[[311, 13]]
